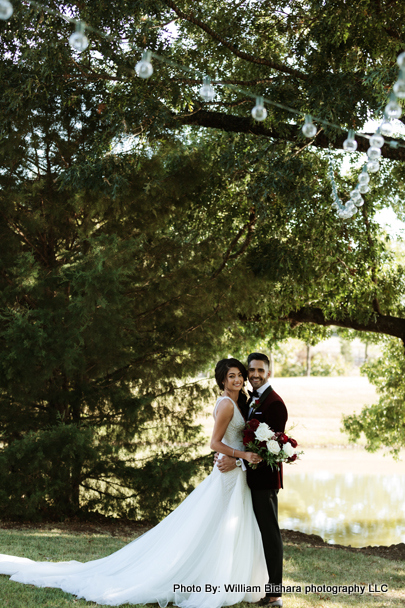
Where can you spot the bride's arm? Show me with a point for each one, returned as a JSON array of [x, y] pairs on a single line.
[[223, 417]]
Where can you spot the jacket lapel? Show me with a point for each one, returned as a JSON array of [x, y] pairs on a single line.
[[264, 395]]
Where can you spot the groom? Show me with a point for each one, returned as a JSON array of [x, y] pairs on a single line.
[[266, 406]]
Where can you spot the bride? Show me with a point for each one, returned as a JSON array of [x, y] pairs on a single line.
[[207, 553]]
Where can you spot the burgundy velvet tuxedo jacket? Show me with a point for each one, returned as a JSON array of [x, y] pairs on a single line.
[[273, 412]]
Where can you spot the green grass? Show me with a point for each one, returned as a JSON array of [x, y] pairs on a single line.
[[303, 565]]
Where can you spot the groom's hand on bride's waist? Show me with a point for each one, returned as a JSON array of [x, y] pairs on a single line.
[[226, 463]]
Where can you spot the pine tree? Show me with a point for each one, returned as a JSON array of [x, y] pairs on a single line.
[[114, 291]]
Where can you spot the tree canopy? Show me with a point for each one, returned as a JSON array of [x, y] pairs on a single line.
[[145, 232]]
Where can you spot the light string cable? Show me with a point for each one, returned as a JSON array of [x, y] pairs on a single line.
[[144, 69]]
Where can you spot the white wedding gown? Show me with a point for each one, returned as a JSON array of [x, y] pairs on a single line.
[[212, 538]]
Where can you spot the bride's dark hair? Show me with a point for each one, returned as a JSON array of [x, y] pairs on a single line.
[[222, 367]]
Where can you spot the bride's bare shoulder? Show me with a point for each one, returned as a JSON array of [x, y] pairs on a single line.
[[223, 406]]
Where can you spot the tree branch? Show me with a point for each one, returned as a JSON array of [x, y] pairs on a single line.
[[271, 64], [382, 324], [93, 74], [286, 132], [243, 83], [232, 256]]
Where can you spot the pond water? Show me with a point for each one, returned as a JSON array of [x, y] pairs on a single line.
[[348, 509]]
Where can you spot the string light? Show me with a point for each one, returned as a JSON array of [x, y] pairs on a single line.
[[343, 211], [393, 109], [399, 86], [364, 177], [386, 128], [259, 112], [355, 194], [207, 91], [377, 140], [346, 211], [144, 68], [374, 153], [373, 166], [309, 129], [350, 144], [6, 9], [78, 40], [401, 60]]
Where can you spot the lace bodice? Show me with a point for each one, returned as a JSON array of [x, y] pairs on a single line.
[[233, 434]]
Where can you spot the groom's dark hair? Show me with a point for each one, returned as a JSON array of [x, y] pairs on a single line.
[[259, 357], [221, 369]]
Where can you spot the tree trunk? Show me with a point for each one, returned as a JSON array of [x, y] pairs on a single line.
[[308, 372], [271, 365], [282, 131]]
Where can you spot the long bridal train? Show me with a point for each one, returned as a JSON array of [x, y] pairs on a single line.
[[212, 538]]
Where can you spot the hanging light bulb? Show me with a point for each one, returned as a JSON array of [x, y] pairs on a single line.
[[393, 109], [355, 194], [373, 166], [350, 144], [309, 129], [349, 210], [6, 9], [78, 40], [377, 140], [374, 153], [364, 188], [359, 202], [259, 112], [401, 60], [364, 177], [399, 86], [144, 68], [207, 91], [386, 127]]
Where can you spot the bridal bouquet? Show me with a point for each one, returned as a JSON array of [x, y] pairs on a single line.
[[272, 447]]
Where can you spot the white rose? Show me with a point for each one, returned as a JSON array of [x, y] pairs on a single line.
[[263, 432], [273, 446], [288, 450]]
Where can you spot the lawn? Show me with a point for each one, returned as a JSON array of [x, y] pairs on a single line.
[[315, 407], [304, 566]]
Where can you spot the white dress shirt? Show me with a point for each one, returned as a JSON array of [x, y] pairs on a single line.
[[260, 390]]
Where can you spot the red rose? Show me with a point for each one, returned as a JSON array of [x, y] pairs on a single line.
[[292, 458], [248, 436], [253, 424], [282, 437], [263, 444], [293, 442]]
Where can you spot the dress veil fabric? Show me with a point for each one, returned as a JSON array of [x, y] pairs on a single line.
[[212, 538]]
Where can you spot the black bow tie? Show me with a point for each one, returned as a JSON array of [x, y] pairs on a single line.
[[254, 394]]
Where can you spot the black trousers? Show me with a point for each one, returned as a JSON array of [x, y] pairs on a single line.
[[265, 506]]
